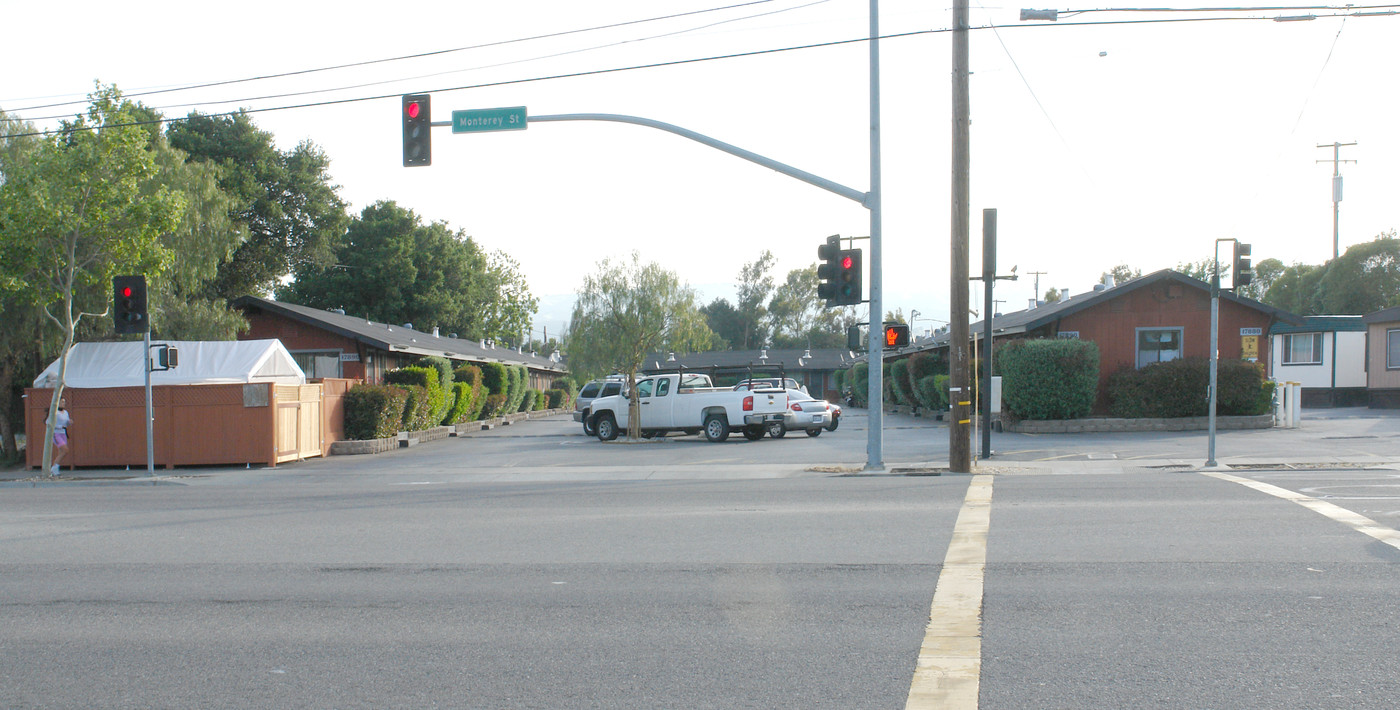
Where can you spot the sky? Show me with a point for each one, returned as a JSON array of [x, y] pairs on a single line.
[[1138, 144]]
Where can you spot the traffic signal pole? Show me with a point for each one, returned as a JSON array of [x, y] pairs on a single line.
[[870, 200]]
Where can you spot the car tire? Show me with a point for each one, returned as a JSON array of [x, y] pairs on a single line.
[[753, 433], [814, 432], [716, 428], [605, 426], [776, 430], [588, 427], [835, 422]]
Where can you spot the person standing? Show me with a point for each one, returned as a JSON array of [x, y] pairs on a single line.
[[60, 433]]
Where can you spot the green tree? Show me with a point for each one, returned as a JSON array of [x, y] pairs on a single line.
[[1365, 278], [285, 199], [795, 310], [626, 310], [1121, 273], [80, 210], [1265, 273], [392, 268], [754, 287], [724, 320], [1295, 289]]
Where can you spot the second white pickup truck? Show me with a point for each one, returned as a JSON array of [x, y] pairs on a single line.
[[669, 403]]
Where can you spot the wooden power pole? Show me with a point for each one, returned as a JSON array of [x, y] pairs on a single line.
[[960, 387]]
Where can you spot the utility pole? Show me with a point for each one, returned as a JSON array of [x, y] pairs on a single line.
[[960, 390], [1037, 275], [1336, 192]]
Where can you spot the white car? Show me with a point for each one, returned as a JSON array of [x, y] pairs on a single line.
[[807, 413]]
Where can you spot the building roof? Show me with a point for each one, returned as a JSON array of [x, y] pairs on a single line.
[[207, 362], [1033, 318], [791, 361], [1385, 315], [396, 338], [1320, 324]]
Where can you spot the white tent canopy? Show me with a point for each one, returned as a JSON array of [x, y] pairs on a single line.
[[92, 365]]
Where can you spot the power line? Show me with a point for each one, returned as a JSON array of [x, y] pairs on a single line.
[[656, 65], [420, 55]]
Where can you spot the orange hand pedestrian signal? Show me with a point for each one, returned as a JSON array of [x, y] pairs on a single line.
[[896, 335]]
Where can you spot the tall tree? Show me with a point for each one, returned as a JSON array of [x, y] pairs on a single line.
[[753, 290], [293, 214], [724, 320], [1265, 273], [392, 268], [1295, 289], [80, 210], [795, 309], [626, 310]]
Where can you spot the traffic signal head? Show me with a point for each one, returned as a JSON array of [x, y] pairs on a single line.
[[129, 304], [827, 270], [1241, 272], [850, 287], [417, 133], [896, 335]]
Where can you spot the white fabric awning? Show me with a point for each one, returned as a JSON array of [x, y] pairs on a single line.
[[92, 365]]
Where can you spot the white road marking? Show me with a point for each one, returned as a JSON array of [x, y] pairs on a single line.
[[1356, 521], [949, 671]]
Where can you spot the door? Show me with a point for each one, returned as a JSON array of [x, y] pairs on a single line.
[[655, 398]]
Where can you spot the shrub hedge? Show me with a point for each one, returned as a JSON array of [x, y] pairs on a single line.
[[495, 404], [555, 398], [427, 402], [374, 411], [1048, 379], [493, 377], [899, 383], [859, 382], [1181, 388]]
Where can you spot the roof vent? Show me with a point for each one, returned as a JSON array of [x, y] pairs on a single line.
[[408, 325], [341, 311], [435, 332]]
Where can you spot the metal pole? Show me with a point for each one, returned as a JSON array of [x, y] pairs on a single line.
[[874, 449], [150, 414], [989, 279], [1214, 349], [959, 444]]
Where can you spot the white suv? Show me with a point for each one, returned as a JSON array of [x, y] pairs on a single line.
[[591, 391]]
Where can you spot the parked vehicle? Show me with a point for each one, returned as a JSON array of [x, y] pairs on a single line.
[[806, 413], [583, 405], [686, 403], [770, 382]]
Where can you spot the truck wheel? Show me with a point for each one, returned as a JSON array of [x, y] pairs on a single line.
[[606, 427], [716, 428], [777, 430], [753, 433], [814, 432]]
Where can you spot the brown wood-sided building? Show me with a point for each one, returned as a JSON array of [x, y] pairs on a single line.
[[333, 344], [1162, 316]]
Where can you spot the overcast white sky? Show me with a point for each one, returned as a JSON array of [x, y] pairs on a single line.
[[1124, 143]]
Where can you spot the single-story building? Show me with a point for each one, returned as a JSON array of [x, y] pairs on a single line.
[[813, 369], [1158, 317], [1383, 358], [227, 402], [333, 344], [1324, 354]]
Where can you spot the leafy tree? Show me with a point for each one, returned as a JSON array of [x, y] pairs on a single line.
[[1265, 273], [723, 319], [895, 316], [1203, 270], [1295, 288], [753, 290], [1363, 279], [626, 310], [80, 209], [795, 310], [392, 268], [1122, 273], [285, 199], [1052, 296]]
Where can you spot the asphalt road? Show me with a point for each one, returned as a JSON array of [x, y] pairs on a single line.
[[529, 567]]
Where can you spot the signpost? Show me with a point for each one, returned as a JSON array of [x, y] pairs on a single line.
[[481, 120]]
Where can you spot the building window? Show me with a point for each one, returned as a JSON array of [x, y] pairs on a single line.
[[1302, 349], [320, 363], [1158, 345], [1392, 349]]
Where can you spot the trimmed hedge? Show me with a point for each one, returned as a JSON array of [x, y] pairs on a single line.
[[516, 376], [462, 403], [493, 377], [374, 411], [932, 391], [1048, 379], [860, 383], [427, 402], [1181, 388], [495, 404], [899, 383], [555, 398], [471, 375]]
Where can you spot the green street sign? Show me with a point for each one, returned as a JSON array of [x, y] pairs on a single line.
[[480, 120]]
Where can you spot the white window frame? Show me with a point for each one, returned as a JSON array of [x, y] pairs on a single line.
[[1392, 349], [1317, 354], [1138, 351]]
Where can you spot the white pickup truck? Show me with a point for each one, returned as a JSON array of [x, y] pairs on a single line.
[[688, 403]]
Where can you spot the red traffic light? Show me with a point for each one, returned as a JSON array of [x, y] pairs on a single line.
[[847, 262], [126, 292], [412, 109]]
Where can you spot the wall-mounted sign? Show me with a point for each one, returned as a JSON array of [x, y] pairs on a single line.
[[1068, 334], [349, 357], [1251, 331]]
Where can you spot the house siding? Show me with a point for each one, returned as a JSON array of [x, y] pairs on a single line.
[[1114, 325], [1378, 376]]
